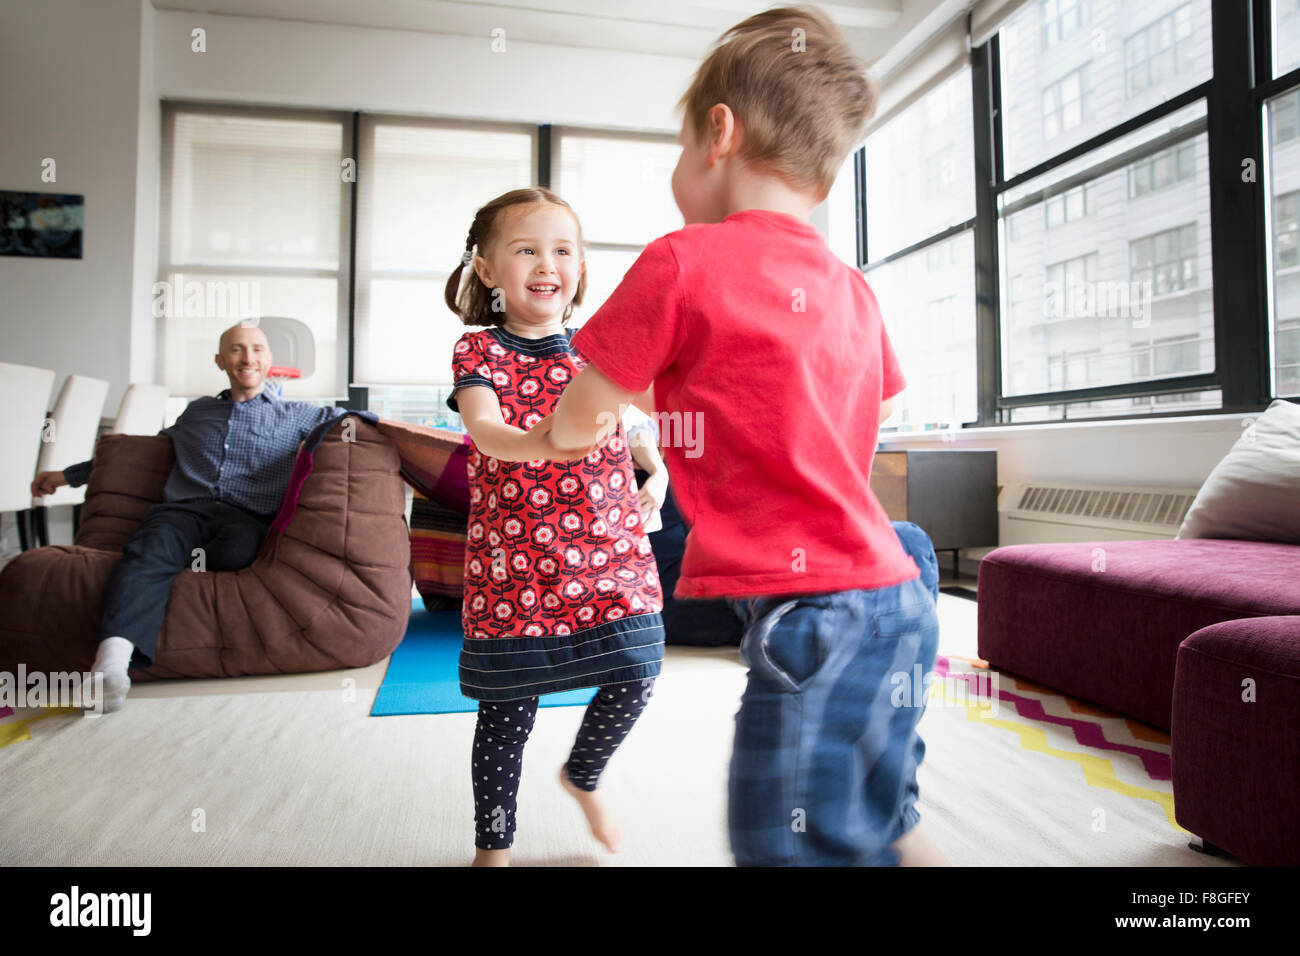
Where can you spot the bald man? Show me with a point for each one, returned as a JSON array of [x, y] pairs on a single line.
[[234, 456]]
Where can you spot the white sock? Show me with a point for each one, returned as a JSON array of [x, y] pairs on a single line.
[[114, 654], [112, 660]]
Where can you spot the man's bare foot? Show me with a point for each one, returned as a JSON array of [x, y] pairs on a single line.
[[593, 805], [491, 857]]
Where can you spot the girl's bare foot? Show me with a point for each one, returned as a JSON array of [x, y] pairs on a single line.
[[593, 805], [491, 857]]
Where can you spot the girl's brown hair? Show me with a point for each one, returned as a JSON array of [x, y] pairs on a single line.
[[474, 303]]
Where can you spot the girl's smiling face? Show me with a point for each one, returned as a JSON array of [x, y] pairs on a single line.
[[535, 259]]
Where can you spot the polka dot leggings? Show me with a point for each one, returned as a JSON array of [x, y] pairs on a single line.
[[503, 729]]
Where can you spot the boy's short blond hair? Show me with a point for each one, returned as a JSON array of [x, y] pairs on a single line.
[[800, 93]]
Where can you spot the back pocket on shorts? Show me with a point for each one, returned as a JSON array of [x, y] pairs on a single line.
[[790, 641]]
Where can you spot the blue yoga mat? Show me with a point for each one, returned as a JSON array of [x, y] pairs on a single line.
[[423, 674]]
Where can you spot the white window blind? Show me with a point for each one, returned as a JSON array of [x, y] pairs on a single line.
[[420, 184], [620, 185], [902, 83], [254, 215]]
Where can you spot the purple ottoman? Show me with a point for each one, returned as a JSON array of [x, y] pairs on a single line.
[[1103, 620], [1236, 762]]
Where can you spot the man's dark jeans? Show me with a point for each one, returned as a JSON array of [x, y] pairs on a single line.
[[185, 537]]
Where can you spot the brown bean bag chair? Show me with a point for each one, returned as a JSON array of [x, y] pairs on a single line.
[[331, 586]]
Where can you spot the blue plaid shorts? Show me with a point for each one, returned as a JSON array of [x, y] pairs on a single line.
[[823, 772]]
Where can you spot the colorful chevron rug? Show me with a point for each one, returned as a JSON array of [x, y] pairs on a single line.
[[1113, 752]]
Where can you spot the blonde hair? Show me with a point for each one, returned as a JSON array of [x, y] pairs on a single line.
[[474, 302], [790, 79]]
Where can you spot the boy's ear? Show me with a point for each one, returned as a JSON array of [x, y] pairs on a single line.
[[722, 130]]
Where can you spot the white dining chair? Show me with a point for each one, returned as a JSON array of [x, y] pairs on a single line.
[[142, 410], [25, 398], [68, 438]]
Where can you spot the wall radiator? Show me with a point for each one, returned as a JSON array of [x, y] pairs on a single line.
[[1035, 512]]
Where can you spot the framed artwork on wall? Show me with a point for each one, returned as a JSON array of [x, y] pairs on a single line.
[[45, 225]]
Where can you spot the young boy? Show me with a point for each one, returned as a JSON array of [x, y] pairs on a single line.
[[746, 326]]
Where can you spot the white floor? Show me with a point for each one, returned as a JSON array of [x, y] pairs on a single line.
[[292, 770]]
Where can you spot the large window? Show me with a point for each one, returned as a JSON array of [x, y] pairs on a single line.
[[920, 171], [1077, 83], [1287, 357], [1283, 125], [1161, 170], [1165, 261], [1069, 206], [1160, 51], [260, 217], [1286, 36], [927, 299], [1060, 19], [253, 227], [920, 187], [420, 184], [1115, 313], [1120, 192], [1285, 253], [431, 177], [1066, 101], [1100, 262], [620, 187]]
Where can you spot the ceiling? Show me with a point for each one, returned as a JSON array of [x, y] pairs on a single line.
[[684, 28]]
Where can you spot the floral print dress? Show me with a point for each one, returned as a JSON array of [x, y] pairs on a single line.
[[561, 588]]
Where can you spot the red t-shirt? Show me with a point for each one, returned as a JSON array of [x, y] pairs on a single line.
[[770, 361]]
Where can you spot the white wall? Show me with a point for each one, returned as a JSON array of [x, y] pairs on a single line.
[[1171, 451], [1174, 452], [70, 90], [76, 86], [144, 327], [285, 63]]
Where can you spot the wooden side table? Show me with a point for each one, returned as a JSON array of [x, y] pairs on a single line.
[[950, 492]]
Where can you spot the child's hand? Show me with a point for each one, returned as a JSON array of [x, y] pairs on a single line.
[[540, 438], [650, 496]]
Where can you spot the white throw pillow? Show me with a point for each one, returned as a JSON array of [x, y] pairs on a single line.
[[1253, 494]]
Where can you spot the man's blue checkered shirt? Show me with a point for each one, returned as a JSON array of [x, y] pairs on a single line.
[[241, 453]]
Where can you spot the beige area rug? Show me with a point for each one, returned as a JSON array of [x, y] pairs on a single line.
[[292, 770]]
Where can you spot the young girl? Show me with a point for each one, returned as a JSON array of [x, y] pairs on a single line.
[[561, 590]]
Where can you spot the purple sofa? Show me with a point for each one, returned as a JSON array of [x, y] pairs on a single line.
[[1173, 633]]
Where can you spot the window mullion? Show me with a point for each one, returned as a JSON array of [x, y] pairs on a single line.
[[988, 358], [1236, 213], [358, 397]]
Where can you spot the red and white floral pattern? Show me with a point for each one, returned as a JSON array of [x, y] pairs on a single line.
[[554, 547]]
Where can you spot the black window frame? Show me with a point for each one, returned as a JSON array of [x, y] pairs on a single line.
[[1234, 96]]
